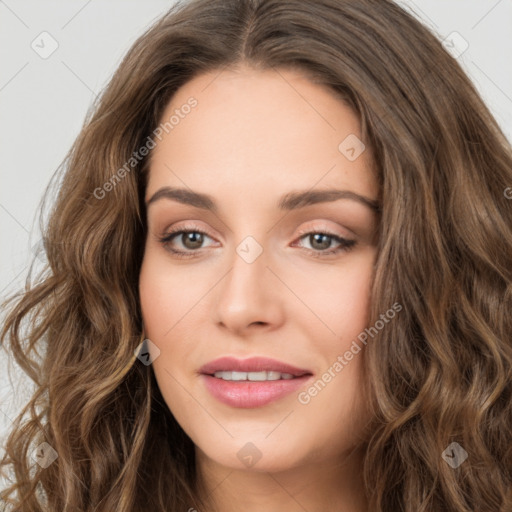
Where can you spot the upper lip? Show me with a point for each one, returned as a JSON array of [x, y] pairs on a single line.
[[252, 364]]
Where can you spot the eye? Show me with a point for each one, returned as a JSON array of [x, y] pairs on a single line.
[[320, 242], [192, 239]]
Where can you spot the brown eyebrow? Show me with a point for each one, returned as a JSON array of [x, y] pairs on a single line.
[[290, 201]]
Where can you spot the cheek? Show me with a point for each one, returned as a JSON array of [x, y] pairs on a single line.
[[338, 300], [166, 294], [164, 301], [335, 404], [152, 298]]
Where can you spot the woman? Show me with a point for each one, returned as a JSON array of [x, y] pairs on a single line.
[[279, 276]]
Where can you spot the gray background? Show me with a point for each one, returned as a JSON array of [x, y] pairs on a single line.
[[43, 102]]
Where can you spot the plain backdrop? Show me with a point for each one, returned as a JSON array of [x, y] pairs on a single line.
[[43, 101]]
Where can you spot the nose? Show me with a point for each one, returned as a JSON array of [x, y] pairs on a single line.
[[250, 296]]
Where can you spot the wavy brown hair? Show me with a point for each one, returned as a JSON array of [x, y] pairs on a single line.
[[441, 372]]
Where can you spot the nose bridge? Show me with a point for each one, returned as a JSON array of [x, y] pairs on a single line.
[[247, 295], [248, 270]]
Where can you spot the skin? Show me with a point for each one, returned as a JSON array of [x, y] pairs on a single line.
[[253, 137]]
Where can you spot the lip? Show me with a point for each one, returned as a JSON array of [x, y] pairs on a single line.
[[251, 394], [252, 364]]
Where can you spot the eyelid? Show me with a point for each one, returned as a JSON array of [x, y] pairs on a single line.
[[312, 227], [308, 229]]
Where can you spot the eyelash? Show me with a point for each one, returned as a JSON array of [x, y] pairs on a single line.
[[345, 244]]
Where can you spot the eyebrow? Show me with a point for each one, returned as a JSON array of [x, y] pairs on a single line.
[[290, 201]]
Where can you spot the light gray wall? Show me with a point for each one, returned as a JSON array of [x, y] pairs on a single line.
[[43, 101]]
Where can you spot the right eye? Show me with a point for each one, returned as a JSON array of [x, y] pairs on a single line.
[[188, 235]]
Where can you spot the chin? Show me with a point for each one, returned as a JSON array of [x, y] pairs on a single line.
[[256, 455]]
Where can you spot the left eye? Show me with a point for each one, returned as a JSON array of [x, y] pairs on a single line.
[[319, 238], [192, 240]]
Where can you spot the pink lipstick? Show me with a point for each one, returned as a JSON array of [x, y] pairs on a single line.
[[253, 382]]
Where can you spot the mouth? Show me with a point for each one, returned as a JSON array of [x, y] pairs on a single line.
[[254, 382]]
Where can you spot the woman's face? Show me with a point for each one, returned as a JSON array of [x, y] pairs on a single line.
[[259, 283]]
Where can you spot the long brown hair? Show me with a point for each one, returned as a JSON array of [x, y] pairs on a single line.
[[440, 373]]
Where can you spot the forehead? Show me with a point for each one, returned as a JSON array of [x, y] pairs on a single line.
[[251, 131]]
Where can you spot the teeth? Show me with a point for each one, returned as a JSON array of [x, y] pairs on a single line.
[[253, 376]]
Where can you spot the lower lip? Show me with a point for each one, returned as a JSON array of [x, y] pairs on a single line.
[[249, 394]]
